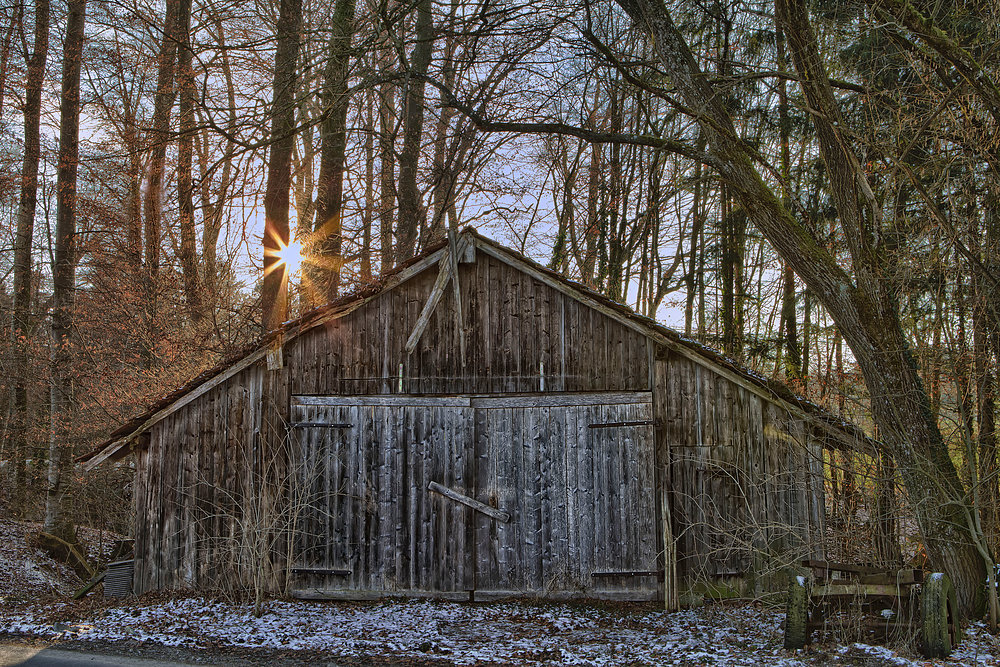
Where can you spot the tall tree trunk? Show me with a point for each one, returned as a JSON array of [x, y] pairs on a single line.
[[133, 212], [302, 168], [57, 518], [732, 220], [16, 17], [592, 230], [368, 220], [567, 214], [989, 494], [963, 387], [274, 291], [444, 151], [16, 430], [697, 225], [448, 157], [185, 152], [387, 174], [789, 318], [733, 250], [807, 336], [410, 205], [159, 138], [862, 310], [328, 229]]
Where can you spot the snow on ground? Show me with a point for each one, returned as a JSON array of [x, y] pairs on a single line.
[[27, 573], [464, 634]]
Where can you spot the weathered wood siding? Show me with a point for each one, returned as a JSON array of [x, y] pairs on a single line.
[[518, 330], [746, 476], [197, 489]]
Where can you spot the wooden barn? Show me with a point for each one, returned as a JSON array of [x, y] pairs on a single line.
[[475, 426]]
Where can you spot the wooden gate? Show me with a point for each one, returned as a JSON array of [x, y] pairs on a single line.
[[576, 475], [366, 522], [545, 495]]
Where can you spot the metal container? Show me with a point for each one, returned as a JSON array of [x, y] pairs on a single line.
[[118, 580]]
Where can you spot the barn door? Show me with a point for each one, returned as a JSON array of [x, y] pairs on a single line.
[[366, 516], [331, 500], [577, 481]]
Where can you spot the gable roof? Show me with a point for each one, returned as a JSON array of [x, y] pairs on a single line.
[[114, 447]]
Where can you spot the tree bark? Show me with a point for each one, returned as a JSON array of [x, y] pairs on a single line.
[[328, 230], [368, 218], [387, 173], [159, 138], [588, 262], [16, 18], [185, 152], [410, 204], [274, 291], [862, 311], [57, 519], [697, 225], [789, 318], [986, 438], [445, 152], [21, 328]]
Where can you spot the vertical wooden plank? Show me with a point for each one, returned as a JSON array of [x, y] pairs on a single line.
[[526, 336], [618, 367], [571, 490], [508, 319], [373, 339], [561, 300], [605, 540], [468, 277], [428, 441], [374, 446], [572, 345], [532, 435], [141, 525], [202, 481], [486, 492], [586, 455], [542, 316], [555, 557], [174, 497], [354, 490], [510, 470], [600, 375], [412, 496], [383, 574]]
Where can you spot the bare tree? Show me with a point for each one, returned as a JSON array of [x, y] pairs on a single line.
[[159, 136], [274, 290], [328, 230], [64, 278], [185, 155], [17, 415], [411, 211]]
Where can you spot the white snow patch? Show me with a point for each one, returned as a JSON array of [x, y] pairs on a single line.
[[883, 653], [464, 634]]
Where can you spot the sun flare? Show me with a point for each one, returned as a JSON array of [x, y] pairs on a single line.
[[291, 257]]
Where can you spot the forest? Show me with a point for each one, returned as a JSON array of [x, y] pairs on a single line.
[[809, 186]]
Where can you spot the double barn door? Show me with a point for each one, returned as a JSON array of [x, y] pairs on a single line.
[[545, 495]]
